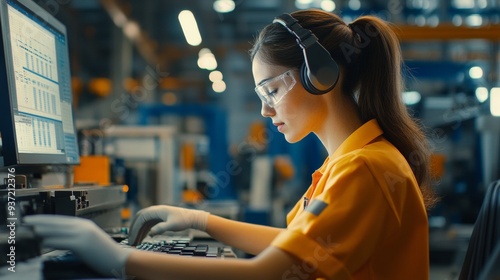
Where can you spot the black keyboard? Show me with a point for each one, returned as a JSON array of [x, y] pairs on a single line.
[[183, 248]]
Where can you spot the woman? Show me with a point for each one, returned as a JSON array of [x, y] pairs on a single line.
[[364, 215]]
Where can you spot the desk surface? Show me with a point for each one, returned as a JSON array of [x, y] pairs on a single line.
[[32, 268]]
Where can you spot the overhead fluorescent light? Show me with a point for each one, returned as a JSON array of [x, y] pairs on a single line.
[[215, 76], [476, 72], [327, 5], [219, 86], [474, 20], [411, 97], [482, 94], [190, 28], [303, 4], [354, 5], [206, 59], [224, 6], [495, 101]]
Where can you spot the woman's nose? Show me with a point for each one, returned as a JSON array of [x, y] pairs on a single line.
[[266, 110]]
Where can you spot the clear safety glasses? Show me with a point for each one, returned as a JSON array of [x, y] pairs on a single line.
[[272, 91]]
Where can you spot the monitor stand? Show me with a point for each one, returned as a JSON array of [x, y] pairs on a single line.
[[68, 177]]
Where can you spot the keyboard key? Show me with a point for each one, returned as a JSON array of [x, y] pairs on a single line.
[[189, 248], [200, 251]]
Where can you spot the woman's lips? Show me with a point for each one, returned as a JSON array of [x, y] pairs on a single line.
[[279, 126]]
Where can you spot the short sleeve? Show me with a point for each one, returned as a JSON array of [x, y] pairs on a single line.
[[340, 229]]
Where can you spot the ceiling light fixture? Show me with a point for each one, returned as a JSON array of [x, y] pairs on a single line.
[[219, 86], [482, 94], [476, 72], [206, 59], [215, 76], [411, 97], [190, 28], [224, 6], [495, 101], [327, 5]]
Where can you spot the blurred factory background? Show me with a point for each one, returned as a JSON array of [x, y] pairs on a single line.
[[177, 119]]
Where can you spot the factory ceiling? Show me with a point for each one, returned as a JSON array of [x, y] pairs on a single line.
[[92, 24]]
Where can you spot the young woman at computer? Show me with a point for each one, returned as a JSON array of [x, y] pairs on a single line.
[[364, 215]]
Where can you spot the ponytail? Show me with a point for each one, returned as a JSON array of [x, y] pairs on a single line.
[[379, 90]]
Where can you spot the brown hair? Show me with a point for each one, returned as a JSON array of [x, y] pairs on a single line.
[[369, 54]]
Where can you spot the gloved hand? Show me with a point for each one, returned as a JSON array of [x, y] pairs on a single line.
[[160, 218], [84, 238]]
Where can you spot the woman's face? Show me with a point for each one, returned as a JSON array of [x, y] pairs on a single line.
[[297, 112]]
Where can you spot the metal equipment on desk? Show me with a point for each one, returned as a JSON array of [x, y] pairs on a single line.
[[152, 145]]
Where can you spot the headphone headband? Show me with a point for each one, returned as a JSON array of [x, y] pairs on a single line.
[[304, 37], [319, 73]]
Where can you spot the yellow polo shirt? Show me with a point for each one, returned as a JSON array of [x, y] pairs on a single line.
[[365, 217]]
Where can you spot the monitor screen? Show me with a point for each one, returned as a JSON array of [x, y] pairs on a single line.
[[37, 125]]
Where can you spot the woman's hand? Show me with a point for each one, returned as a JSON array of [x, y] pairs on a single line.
[[84, 238], [160, 218]]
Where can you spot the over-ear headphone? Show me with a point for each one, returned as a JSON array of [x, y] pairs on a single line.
[[319, 72]]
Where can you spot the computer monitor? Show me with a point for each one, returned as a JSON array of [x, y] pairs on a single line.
[[37, 126]]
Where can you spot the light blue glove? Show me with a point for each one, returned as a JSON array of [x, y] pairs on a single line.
[[161, 218], [84, 238]]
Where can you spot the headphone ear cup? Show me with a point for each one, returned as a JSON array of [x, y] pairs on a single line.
[[306, 81], [319, 73]]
